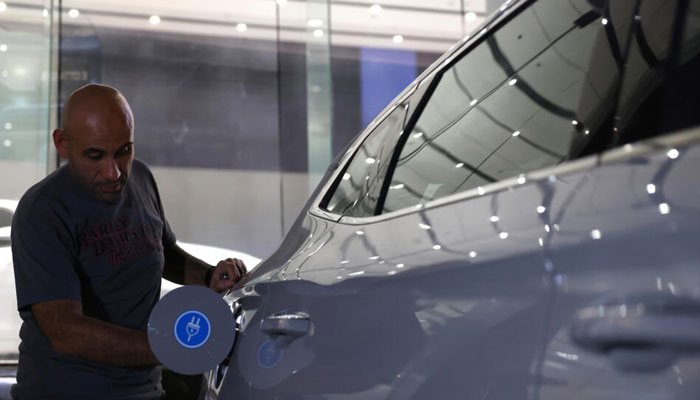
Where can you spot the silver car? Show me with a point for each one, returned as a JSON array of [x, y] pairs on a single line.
[[522, 222]]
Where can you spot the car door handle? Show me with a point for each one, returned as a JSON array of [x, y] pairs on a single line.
[[640, 337], [284, 328]]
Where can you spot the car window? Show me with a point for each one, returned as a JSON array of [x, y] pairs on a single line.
[[660, 89], [358, 189], [544, 101]]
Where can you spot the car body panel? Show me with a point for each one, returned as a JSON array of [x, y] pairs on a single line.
[[494, 292], [627, 242]]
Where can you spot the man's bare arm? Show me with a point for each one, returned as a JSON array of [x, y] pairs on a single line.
[[185, 269], [70, 332]]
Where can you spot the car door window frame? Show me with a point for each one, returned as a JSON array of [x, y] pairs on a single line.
[[349, 155]]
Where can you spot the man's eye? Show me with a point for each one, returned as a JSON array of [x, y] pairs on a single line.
[[94, 156], [125, 150]]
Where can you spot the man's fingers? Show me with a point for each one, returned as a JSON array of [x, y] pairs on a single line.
[[227, 273]]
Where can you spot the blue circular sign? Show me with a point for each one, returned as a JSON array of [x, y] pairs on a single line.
[[192, 329], [269, 355]]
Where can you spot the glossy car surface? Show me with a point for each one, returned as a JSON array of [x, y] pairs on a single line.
[[521, 223]]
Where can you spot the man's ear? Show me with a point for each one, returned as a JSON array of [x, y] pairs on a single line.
[[61, 143]]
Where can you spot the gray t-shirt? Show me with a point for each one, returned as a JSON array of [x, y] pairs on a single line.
[[67, 245]]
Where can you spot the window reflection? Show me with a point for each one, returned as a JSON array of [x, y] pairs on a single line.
[[541, 86], [358, 191]]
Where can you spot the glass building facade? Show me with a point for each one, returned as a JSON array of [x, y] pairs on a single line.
[[240, 105]]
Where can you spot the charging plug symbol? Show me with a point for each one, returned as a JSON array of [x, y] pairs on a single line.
[[192, 328]]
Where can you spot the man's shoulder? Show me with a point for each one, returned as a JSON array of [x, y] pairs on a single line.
[[140, 168], [45, 192]]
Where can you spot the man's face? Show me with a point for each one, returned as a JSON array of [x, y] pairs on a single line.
[[99, 146]]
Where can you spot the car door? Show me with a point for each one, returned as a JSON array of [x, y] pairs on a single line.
[[269, 352], [626, 320]]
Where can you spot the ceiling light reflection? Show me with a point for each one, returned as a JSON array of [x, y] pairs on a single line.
[[281, 2], [503, 235], [673, 154], [7, 143], [154, 20], [375, 9], [242, 27], [417, 135], [424, 226], [460, 165], [512, 82], [399, 186], [8, 125], [494, 218], [370, 160], [3, 47], [541, 209], [3, 6], [470, 16], [516, 133], [596, 234], [437, 247], [315, 23], [664, 208], [73, 13], [604, 21], [473, 254], [570, 357], [318, 33], [473, 102], [346, 176], [360, 233], [651, 188], [399, 266], [397, 39]]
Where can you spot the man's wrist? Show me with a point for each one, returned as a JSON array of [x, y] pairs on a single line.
[[208, 275]]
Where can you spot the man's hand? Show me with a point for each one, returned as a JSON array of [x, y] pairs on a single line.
[[227, 273]]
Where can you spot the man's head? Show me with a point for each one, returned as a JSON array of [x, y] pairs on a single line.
[[97, 139]]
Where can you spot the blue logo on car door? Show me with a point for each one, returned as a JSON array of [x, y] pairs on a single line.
[[192, 329], [269, 355]]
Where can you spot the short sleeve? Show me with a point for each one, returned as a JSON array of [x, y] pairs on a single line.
[[169, 239], [42, 254]]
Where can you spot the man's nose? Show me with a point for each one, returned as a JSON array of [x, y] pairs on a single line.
[[111, 171]]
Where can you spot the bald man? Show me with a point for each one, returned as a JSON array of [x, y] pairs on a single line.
[[90, 244]]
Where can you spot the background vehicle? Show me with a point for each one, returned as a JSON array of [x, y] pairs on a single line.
[[519, 223]]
